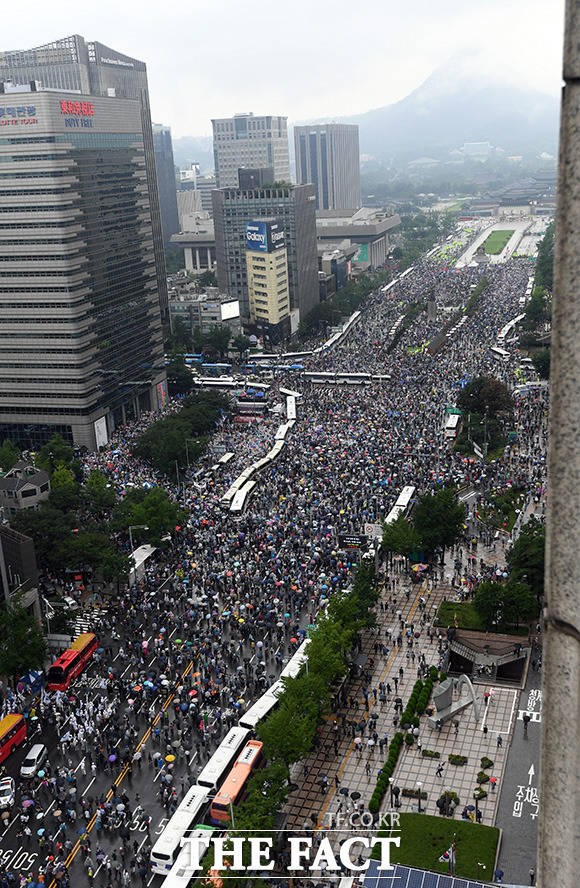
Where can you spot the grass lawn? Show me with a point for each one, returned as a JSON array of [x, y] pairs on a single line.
[[467, 616], [424, 839], [497, 241]]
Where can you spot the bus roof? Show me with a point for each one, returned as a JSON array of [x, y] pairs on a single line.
[[239, 772], [9, 721], [82, 641]]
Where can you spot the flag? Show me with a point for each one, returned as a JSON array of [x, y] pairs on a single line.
[[455, 621], [448, 857]]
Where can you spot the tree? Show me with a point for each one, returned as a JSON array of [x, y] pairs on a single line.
[[50, 529], [287, 734], [519, 603], [488, 603], [174, 260], [400, 537], [9, 455], [219, 338], [179, 376], [438, 519], [206, 279], [178, 339], [56, 452], [115, 565], [64, 490], [485, 392], [22, 643], [541, 362], [100, 497], [152, 508], [545, 261], [241, 344], [526, 557]]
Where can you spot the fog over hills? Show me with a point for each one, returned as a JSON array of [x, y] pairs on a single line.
[[471, 98]]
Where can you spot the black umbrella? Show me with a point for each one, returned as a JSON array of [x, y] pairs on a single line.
[[355, 796], [398, 699], [344, 791]]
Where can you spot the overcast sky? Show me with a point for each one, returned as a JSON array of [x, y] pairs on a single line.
[[303, 58]]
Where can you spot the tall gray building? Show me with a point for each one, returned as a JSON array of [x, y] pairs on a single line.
[[80, 328], [247, 141], [166, 181], [294, 206], [327, 154], [94, 69]]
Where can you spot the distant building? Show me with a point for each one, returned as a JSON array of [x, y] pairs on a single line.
[[166, 181], [293, 206], [334, 264], [23, 487], [205, 310], [197, 239], [255, 178], [247, 141], [367, 228], [202, 186], [18, 569], [327, 155], [267, 270]]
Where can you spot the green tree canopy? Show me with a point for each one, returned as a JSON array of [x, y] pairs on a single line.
[[526, 557], [488, 603], [64, 490], [485, 392], [179, 376], [438, 519], [241, 344], [541, 362], [400, 537], [545, 261], [22, 642], [218, 339], [501, 605], [152, 508], [9, 455], [56, 452], [99, 496], [50, 529]]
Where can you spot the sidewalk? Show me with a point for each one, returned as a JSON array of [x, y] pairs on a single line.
[[312, 800]]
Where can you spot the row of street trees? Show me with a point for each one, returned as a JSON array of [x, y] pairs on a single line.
[[437, 522]]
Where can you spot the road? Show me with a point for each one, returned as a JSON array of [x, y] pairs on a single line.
[[519, 803]]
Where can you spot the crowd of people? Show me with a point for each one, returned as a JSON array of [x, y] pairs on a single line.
[[219, 611]]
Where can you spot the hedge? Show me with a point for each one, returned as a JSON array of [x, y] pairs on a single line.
[[457, 759]]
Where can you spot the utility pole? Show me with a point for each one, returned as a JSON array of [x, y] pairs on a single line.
[[559, 820]]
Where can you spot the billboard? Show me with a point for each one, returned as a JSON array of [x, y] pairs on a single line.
[[101, 436], [230, 310], [264, 237], [161, 394]]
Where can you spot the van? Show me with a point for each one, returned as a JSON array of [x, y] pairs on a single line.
[[33, 759]]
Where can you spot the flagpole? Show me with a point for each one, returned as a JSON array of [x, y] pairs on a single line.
[[453, 855]]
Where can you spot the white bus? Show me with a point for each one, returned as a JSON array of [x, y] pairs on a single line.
[[499, 354], [181, 873], [261, 708], [452, 425], [217, 768], [402, 505], [167, 847], [241, 500], [295, 663]]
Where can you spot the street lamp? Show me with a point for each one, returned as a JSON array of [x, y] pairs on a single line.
[[187, 451], [135, 527], [419, 786]]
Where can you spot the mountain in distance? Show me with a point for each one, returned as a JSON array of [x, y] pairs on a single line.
[[192, 149], [468, 99]]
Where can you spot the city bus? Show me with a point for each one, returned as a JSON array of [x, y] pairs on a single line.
[[181, 873], [216, 769], [72, 662], [166, 849], [193, 359], [217, 369], [499, 354], [452, 425], [235, 786], [12, 734]]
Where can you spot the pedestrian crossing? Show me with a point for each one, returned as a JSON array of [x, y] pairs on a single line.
[[85, 622]]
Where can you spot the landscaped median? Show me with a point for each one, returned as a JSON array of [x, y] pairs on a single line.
[[424, 839]]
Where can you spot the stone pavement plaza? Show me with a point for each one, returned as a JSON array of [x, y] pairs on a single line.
[[349, 765]]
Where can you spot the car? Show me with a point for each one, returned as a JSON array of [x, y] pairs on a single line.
[[33, 759], [7, 792]]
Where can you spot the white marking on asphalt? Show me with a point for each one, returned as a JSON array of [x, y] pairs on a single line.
[[88, 787]]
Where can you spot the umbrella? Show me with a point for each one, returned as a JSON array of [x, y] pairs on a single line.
[[192, 693], [156, 755], [164, 683], [344, 791], [169, 758], [137, 757], [470, 807], [40, 832], [355, 795], [27, 803], [113, 758], [41, 773], [294, 639], [176, 744], [419, 567], [6, 815], [120, 807], [57, 813]]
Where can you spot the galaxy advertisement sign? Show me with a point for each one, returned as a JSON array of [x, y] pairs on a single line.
[[264, 237]]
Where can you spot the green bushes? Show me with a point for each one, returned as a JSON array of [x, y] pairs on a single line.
[[486, 762], [409, 739], [459, 760], [430, 753], [413, 793], [424, 696], [482, 777], [386, 773], [479, 794]]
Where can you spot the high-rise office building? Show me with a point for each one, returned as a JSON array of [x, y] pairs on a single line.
[[80, 328], [327, 155], [94, 69], [247, 141], [267, 267], [166, 181], [293, 206]]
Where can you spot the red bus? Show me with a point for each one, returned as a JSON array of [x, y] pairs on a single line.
[[12, 734], [234, 788], [72, 662]]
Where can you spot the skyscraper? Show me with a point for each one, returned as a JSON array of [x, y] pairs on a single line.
[[80, 328], [94, 69], [247, 141], [293, 206], [327, 154], [166, 181]]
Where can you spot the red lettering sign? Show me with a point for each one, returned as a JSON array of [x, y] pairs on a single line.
[[81, 109]]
